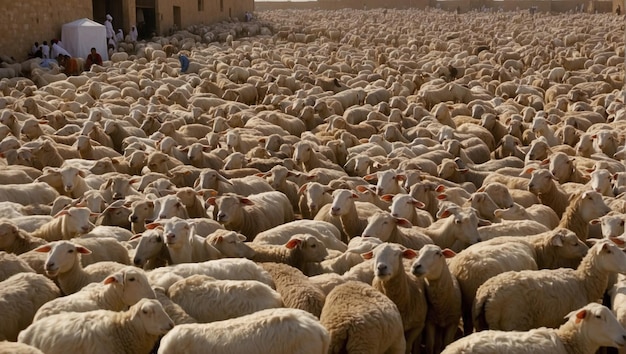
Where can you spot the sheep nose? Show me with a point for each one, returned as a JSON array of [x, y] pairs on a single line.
[[49, 265], [68, 188], [170, 236], [395, 215], [133, 218], [86, 228], [531, 186], [118, 196], [148, 221], [417, 266], [381, 267], [335, 210], [162, 216], [220, 216], [478, 239], [137, 261]]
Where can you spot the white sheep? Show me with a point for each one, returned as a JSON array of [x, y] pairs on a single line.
[[63, 261], [404, 289], [151, 251], [101, 331], [230, 244], [538, 212], [477, 263], [22, 294], [583, 208], [184, 245], [586, 330], [323, 231], [28, 194], [295, 288], [395, 230], [406, 207], [313, 196], [278, 331], [361, 319], [227, 268], [211, 179], [208, 300], [68, 223], [443, 294], [298, 252], [551, 294], [11, 264], [115, 293], [253, 214], [18, 348]]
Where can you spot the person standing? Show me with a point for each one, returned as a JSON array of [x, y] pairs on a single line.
[[133, 34], [108, 25], [93, 58]]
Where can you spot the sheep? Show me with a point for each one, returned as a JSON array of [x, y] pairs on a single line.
[[477, 263], [295, 288], [17, 241], [176, 313], [305, 155], [404, 289], [184, 245], [22, 295], [389, 182], [63, 261], [387, 228], [65, 225], [253, 214], [100, 331], [538, 212], [406, 207], [211, 179], [323, 231], [207, 299], [586, 330], [10, 265], [298, 252], [277, 331], [352, 215], [18, 348], [611, 225], [277, 177], [89, 151], [230, 244], [28, 194], [581, 210], [228, 268], [511, 228], [124, 288], [313, 196], [542, 183], [151, 251], [550, 299], [443, 294], [361, 319]]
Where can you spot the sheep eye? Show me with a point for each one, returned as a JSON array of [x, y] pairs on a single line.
[[70, 251], [145, 312], [159, 239], [313, 246], [598, 316], [131, 279]]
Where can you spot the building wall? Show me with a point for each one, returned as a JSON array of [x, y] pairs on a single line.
[[22, 22], [212, 11]]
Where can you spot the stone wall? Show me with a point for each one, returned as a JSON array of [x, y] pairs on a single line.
[[22, 22], [211, 11]]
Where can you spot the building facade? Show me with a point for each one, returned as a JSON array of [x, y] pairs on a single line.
[[23, 22]]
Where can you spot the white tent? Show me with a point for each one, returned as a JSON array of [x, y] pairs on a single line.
[[80, 36]]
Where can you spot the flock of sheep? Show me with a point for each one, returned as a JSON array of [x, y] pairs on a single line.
[[378, 181]]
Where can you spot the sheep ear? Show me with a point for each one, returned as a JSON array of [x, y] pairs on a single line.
[[135, 236], [361, 188], [444, 214], [217, 239], [61, 213], [580, 315], [387, 197], [370, 177], [401, 177], [483, 222], [402, 222], [293, 243], [440, 188], [241, 237], [557, 240], [115, 278], [448, 253], [442, 197], [416, 203], [545, 162], [43, 249], [367, 255], [211, 201], [152, 225], [409, 253], [618, 241], [246, 201], [83, 250], [594, 222], [355, 196], [527, 171], [303, 188]]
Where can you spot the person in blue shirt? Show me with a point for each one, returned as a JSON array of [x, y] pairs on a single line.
[[184, 63]]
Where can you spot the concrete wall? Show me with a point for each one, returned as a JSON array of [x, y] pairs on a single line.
[[22, 22]]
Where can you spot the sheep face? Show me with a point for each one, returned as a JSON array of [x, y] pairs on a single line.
[[402, 206], [231, 244], [150, 244], [230, 208], [8, 234], [152, 315], [133, 283], [388, 182], [568, 245], [602, 182], [141, 210], [431, 261], [598, 322], [62, 255], [170, 206], [388, 259], [382, 225], [176, 231], [70, 177], [312, 249], [609, 257], [592, 206], [76, 220], [343, 201], [315, 196], [302, 153], [561, 166], [541, 181]]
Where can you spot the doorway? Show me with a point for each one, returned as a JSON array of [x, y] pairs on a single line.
[[177, 18]]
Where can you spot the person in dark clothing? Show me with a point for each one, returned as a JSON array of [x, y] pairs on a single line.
[[93, 58]]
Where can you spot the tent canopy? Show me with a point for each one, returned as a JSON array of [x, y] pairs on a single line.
[[80, 36]]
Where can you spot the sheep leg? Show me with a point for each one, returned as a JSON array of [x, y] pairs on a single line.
[[429, 337], [447, 337], [413, 340]]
